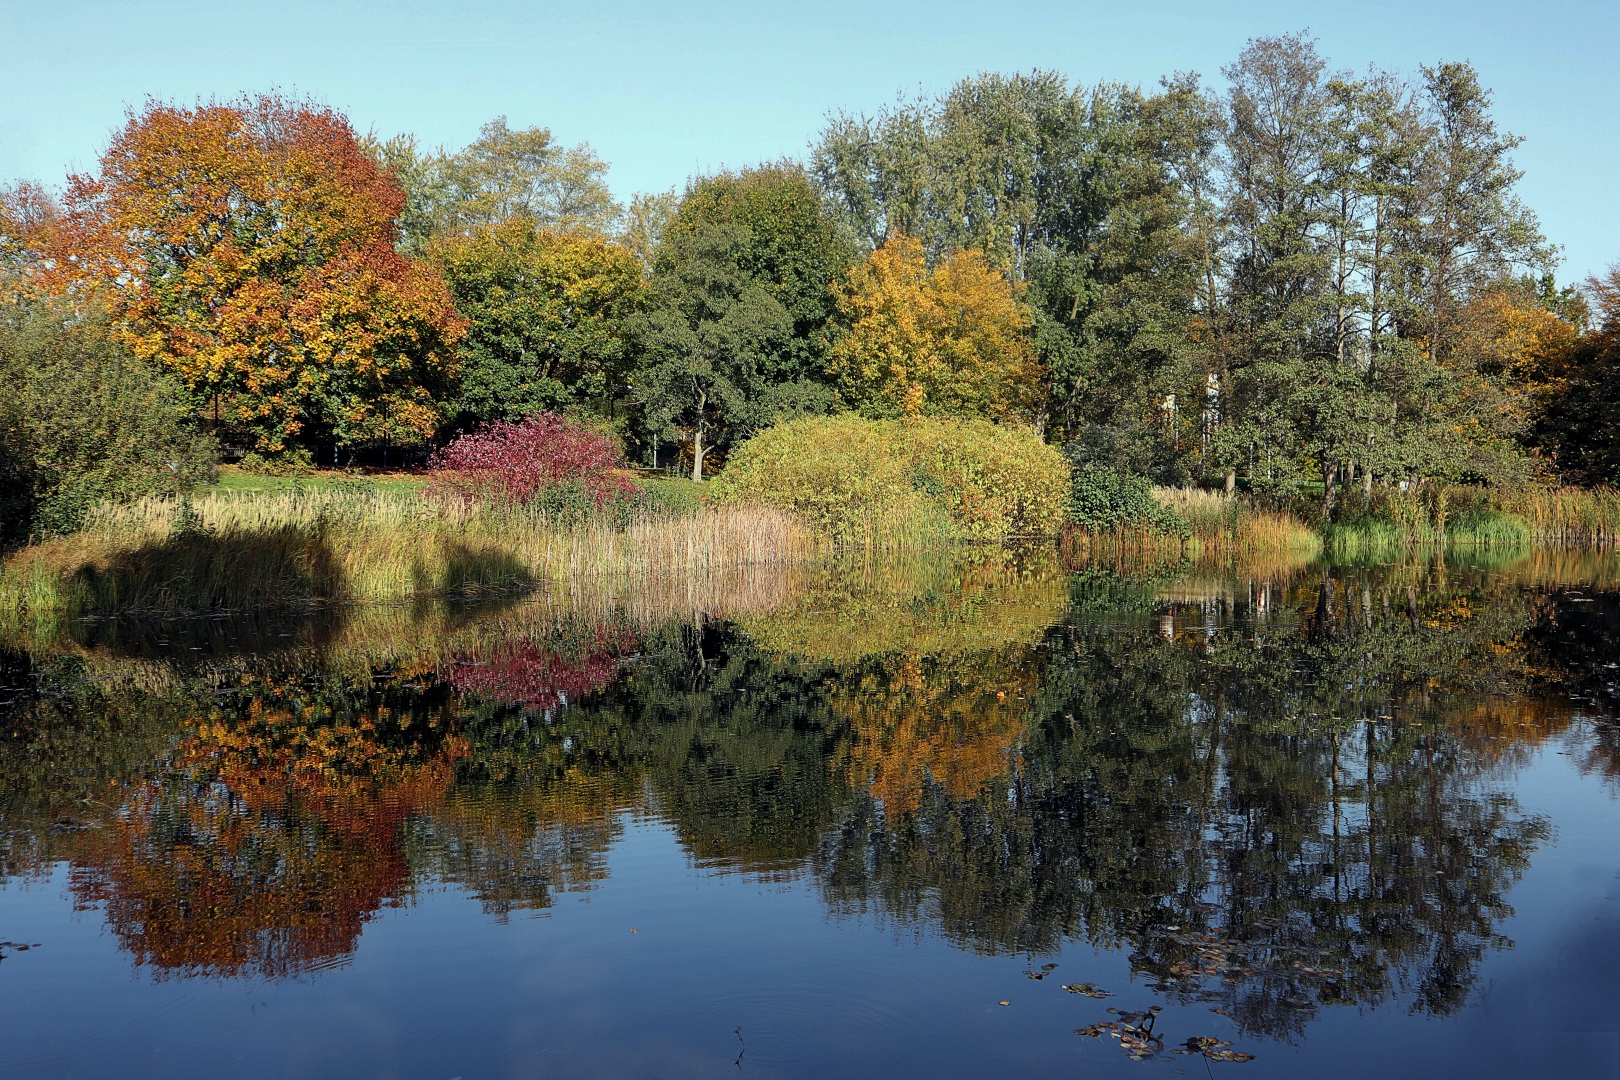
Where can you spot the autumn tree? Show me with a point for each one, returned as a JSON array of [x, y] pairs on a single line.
[[248, 248], [546, 317], [1580, 427], [950, 340]]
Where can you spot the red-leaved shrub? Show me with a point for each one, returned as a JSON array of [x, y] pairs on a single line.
[[518, 463]]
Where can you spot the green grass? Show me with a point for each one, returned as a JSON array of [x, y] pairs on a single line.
[[233, 480]]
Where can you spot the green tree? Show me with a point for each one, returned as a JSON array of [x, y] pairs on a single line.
[[547, 315], [789, 244], [736, 329], [706, 339]]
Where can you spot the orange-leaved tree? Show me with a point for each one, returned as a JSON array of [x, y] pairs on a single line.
[[248, 247], [953, 339]]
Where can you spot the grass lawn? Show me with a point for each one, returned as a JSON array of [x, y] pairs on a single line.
[[233, 480]]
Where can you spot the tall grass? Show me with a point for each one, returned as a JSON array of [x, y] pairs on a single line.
[[234, 552], [1227, 524], [1217, 528], [1573, 516], [1454, 515]]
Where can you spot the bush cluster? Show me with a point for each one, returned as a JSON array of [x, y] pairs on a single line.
[[543, 462], [1104, 499], [865, 481], [83, 421]]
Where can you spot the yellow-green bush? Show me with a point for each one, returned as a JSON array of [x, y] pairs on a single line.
[[897, 482]]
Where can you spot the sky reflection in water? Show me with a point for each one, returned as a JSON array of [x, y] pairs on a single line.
[[825, 821]]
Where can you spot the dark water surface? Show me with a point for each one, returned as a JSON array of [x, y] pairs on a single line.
[[922, 819]]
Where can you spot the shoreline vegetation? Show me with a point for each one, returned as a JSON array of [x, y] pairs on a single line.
[[334, 544], [223, 552], [1181, 347]]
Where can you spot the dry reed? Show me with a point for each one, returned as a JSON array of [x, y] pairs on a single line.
[[234, 552], [1573, 516]]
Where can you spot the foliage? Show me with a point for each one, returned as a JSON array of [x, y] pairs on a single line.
[[1085, 195], [734, 335], [1102, 499], [792, 246], [866, 481], [1580, 427], [1132, 452], [545, 313], [294, 463], [524, 462], [951, 341], [83, 421], [502, 175], [248, 248]]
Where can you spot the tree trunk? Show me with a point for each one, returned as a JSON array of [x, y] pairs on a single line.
[[1231, 481], [697, 454], [1366, 482], [1330, 490]]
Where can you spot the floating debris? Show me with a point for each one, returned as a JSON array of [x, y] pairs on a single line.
[[1212, 1048], [1091, 990]]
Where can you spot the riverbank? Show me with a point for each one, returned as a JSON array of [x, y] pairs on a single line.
[[1214, 524], [234, 552]]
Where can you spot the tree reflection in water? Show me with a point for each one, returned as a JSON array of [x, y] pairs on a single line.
[[1274, 796]]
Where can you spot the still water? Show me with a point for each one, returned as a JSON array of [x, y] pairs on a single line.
[[987, 815]]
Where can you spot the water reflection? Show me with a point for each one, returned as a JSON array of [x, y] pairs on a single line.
[[1276, 793]]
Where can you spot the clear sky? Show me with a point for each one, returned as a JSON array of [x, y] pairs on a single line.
[[664, 90]]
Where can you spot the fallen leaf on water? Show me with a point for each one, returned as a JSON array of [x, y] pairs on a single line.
[[1091, 990], [1005, 1003]]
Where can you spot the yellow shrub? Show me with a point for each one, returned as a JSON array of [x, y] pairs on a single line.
[[892, 482]]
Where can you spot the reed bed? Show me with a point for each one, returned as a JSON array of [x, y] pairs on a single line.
[[1460, 516], [237, 552], [1225, 524], [1572, 516], [1218, 528]]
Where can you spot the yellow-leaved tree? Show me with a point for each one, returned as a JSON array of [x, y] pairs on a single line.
[[1514, 338], [951, 340]]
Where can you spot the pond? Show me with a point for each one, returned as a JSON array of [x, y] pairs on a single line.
[[987, 814]]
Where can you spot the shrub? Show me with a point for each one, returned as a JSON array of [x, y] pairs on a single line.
[[292, 462], [1103, 499], [899, 481], [83, 421], [543, 462]]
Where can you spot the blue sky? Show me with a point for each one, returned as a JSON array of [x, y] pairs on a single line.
[[666, 90]]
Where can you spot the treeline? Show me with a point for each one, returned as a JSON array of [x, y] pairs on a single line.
[[1307, 280]]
